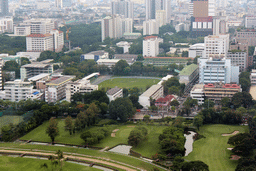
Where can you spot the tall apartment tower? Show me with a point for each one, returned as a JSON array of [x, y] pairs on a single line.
[[39, 26], [59, 4], [4, 7], [153, 5], [150, 27], [122, 7], [111, 27], [216, 46], [150, 46], [161, 17]]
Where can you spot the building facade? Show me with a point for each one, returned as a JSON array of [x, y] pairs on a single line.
[[217, 70], [111, 27], [238, 59], [150, 46], [197, 93], [154, 93], [6, 25], [196, 50], [22, 30], [114, 93], [150, 27], [122, 7], [249, 35], [39, 26]]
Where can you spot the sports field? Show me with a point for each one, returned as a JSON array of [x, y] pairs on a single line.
[[28, 164], [128, 83], [7, 119], [213, 149]]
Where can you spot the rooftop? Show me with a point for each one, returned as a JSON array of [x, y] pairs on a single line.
[[151, 90], [39, 35], [99, 52], [132, 34], [38, 77], [113, 91], [150, 37], [221, 85], [188, 70], [35, 65], [165, 99], [60, 80]]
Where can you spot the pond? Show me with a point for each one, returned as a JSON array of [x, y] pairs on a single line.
[[189, 142]]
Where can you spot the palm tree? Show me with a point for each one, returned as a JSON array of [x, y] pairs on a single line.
[[60, 156]]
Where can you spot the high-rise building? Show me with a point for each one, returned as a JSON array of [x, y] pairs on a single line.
[[150, 46], [216, 46], [153, 5], [127, 25], [4, 7], [150, 27], [39, 26], [59, 4], [111, 27], [250, 22], [6, 25], [161, 17], [122, 7], [249, 35], [213, 70], [219, 25]]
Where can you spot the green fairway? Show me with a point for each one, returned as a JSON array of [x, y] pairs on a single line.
[[7, 119], [128, 83], [213, 149], [146, 148], [28, 164], [38, 134]]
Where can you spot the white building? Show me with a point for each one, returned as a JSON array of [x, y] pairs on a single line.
[[6, 24], [150, 46], [150, 27], [161, 17], [107, 62], [211, 7], [34, 69], [238, 59], [56, 88], [17, 90], [250, 22], [111, 27], [80, 86], [125, 45], [196, 50], [154, 92], [43, 4], [95, 55], [153, 5], [217, 70], [58, 40], [197, 93], [36, 95], [39, 26], [59, 4], [114, 93], [22, 30], [253, 77], [216, 45], [127, 25]]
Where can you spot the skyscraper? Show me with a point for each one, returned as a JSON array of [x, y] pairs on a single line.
[[122, 7], [153, 5], [4, 7]]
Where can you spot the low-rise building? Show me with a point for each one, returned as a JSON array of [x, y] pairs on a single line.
[[34, 69], [36, 95], [196, 50], [108, 62], [56, 88], [95, 55], [154, 92], [125, 45], [165, 61], [22, 30], [132, 35], [163, 103], [197, 93], [80, 86], [114, 93], [130, 58], [218, 91], [17, 90], [189, 74]]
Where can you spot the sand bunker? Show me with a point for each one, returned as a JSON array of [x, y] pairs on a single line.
[[234, 133], [230, 149], [113, 134]]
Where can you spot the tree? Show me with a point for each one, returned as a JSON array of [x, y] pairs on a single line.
[[121, 108], [174, 103], [140, 58], [60, 157], [169, 83], [45, 166], [195, 166], [198, 121], [245, 84], [52, 130], [238, 138], [69, 124], [119, 67], [242, 99], [208, 104], [137, 135], [184, 54], [146, 118], [241, 110], [225, 102]]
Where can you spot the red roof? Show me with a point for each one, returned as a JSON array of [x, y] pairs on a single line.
[[224, 86], [39, 35], [150, 37], [60, 31], [166, 99], [168, 57]]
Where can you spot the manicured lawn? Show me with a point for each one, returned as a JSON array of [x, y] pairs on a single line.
[[128, 83], [28, 164], [147, 148], [113, 156], [7, 119], [38, 134], [213, 149]]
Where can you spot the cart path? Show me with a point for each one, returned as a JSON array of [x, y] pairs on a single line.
[[71, 157]]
